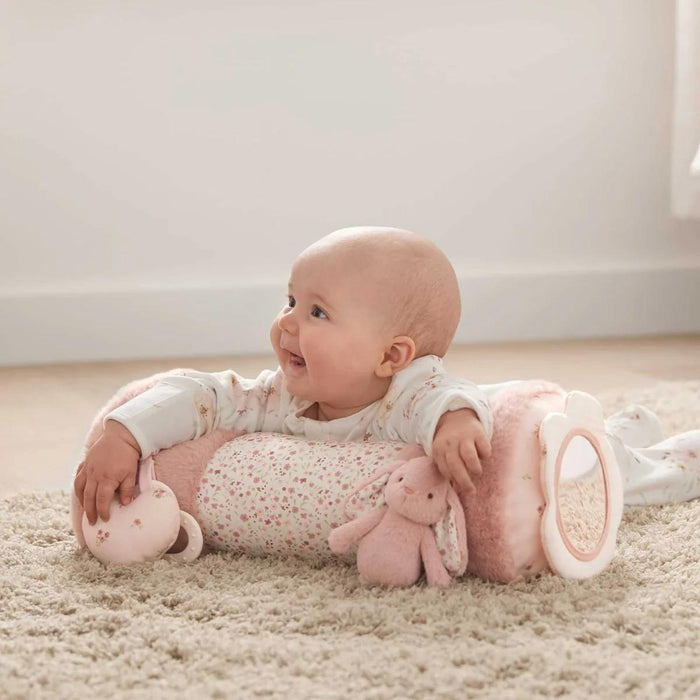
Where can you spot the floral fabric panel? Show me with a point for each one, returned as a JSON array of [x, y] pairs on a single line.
[[265, 494]]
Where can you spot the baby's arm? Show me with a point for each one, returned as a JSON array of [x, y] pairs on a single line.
[[110, 465], [449, 418], [176, 409], [186, 406]]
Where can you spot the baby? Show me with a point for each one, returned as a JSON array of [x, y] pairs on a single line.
[[369, 315]]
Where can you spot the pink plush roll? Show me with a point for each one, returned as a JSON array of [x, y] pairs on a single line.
[[503, 518]]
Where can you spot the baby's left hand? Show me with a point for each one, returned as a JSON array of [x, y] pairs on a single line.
[[459, 445]]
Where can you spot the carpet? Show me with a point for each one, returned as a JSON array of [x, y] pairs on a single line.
[[233, 626]]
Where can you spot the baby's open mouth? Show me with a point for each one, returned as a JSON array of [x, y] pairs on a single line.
[[296, 360]]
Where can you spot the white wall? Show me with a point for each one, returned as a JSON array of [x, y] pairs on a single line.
[[165, 155]]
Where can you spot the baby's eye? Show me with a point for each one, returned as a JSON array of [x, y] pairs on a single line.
[[400, 478], [430, 495], [291, 302], [316, 312]]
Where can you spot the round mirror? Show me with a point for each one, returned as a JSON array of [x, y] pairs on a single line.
[[582, 498], [582, 489]]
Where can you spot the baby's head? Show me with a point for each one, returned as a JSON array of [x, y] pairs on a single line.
[[411, 285], [372, 299]]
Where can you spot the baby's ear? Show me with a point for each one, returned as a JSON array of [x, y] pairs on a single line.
[[397, 357]]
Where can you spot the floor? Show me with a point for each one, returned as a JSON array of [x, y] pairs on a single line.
[[45, 410]]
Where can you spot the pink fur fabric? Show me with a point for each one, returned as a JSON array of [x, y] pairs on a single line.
[[503, 518]]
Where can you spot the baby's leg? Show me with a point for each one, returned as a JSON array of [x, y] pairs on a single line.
[[654, 470], [667, 472], [636, 426]]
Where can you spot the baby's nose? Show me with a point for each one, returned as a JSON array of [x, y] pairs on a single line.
[[286, 321], [408, 490]]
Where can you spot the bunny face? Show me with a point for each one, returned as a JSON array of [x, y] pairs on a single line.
[[417, 491]]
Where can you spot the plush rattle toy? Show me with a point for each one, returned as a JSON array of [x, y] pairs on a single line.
[[396, 540], [145, 529]]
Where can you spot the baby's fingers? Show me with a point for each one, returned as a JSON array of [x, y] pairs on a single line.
[[457, 472], [126, 489], [105, 493], [470, 459], [89, 501], [483, 446], [79, 482]]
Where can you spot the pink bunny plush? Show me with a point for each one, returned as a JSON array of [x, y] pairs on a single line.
[[398, 540]]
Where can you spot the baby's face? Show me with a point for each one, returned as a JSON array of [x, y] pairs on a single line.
[[331, 335]]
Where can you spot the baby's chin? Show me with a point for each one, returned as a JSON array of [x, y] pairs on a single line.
[[294, 382]]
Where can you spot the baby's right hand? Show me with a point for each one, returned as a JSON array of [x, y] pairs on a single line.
[[110, 465]]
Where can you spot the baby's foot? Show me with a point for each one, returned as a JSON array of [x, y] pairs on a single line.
[[636, 426], [668, 472]]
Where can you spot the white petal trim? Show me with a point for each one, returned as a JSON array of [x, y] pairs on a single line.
[[583, 416]]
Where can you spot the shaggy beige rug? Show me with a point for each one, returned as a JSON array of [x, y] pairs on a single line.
[[234, 626]]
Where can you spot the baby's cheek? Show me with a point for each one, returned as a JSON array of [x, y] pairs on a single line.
[[275, 334]]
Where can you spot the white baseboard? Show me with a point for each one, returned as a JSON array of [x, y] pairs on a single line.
[[611, 301], [45, 327]]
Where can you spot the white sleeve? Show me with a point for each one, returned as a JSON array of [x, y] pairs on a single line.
[[186, 406], [418, 397]]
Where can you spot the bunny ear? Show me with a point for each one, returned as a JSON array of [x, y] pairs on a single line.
[[451, 536], [368, 495]]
